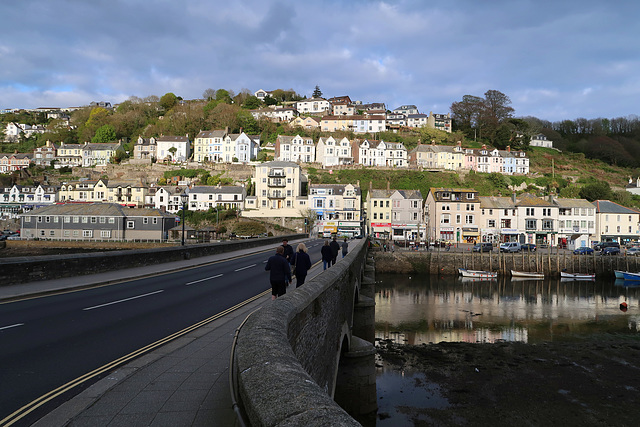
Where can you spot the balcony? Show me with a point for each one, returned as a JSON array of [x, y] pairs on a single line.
[[276, 195], [277, 183], [276, 173]]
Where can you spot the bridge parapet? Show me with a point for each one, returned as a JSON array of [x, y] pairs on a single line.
[[288, 353]]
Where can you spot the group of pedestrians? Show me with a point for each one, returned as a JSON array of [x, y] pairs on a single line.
[[286, 263]]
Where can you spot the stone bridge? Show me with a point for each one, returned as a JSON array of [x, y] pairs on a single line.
[[308, 357]]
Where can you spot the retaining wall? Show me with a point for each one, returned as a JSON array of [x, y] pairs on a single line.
[[446, 263], [287, 353], [28, 269]]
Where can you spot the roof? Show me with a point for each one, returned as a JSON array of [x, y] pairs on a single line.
[[531, 200], [211, 134], [339, 188], [606, 206], [96, 209], [493, 202], [173, 138], [280, 164], [573, 203], [213, 189]]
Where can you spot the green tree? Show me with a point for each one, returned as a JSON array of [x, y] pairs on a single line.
[[252, 102], [168, 101], [317, 93], [105, 133], [225, 96], [600, 190]]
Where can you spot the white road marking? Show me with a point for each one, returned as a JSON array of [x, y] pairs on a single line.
[[123, 300], [202, 280], [244, 268], [11, 326]]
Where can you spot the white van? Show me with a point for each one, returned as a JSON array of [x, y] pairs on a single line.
[[510, 247]]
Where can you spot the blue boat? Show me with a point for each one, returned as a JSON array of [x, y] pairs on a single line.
[[619, 274], [631, 276]]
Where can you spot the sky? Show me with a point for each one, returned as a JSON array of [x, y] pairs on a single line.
[[555, 60]]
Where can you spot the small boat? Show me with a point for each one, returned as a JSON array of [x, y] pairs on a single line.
[[577, 276], [478, 273], [527, 274], [477, 279], [631, 276], [619, 274]]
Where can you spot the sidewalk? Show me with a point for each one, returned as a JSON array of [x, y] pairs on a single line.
[[183, 383]]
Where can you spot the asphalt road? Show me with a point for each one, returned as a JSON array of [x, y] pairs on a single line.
[[48, 342]]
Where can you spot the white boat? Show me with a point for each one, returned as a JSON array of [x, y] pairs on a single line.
[[477, 279], [478, 273], [527, 274], [577, 276]]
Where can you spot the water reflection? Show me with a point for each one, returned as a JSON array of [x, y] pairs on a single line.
[[424, 309]]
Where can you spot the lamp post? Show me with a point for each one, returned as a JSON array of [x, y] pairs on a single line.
[[184, 198]]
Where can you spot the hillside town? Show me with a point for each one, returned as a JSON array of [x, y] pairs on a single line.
[[280, 190]]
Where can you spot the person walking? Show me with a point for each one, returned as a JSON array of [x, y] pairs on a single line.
[[345, 248], [288, 250], [327, 255], [335, 250], [301, 264], [280, 273]]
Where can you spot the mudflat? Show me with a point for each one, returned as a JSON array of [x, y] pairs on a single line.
[[592, 380]]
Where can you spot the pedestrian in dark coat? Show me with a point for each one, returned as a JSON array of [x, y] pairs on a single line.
[[301, 263], [280, 273], [335, 250], [288, 250], [327, 255], [345, 248]]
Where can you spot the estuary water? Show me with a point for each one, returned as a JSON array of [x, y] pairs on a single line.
[[423, 309]]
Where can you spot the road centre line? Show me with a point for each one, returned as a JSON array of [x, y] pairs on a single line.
[[123, 300], [244, 268], [202, 280], [11, 326]]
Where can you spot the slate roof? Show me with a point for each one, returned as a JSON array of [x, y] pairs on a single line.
[[606, 206]]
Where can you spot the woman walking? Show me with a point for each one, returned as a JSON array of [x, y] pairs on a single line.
[[327, 255], [301, 264]]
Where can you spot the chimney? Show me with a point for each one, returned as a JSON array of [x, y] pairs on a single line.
[[513, 197], [484, 146], [433, 142], [388, 185], [508, 148], [370, 185], [460, 144]]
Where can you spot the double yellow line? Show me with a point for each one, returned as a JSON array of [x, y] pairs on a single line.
[[35, 404]]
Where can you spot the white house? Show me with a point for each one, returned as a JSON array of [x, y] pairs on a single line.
[[540, 140], [330, 152], [313, 106], [174, 148], [294, 149]]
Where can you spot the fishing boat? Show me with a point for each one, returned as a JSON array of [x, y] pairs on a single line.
[[478, 273], [477, 279], [527, 274], [577, 276], [619, 274], [631, 276]]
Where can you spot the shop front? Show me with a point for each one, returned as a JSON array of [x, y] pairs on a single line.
[[381, 230], [470, 234], [405, 232], [509, 235], [446, 234], [349, 228]]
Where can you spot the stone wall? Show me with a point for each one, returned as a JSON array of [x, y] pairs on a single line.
[[447, 263], [287, 353], [28, 269]]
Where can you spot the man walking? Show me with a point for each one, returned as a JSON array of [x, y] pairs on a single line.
[[335, 249], [345, 248], [280, 273], [288, 250]]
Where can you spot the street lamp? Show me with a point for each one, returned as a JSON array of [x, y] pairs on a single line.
[[184, 198]]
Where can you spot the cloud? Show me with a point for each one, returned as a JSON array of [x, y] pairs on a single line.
[[397, 52]]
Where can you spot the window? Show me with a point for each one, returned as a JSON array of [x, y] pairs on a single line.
[[445, 219], [76, 219], [618, 229], [42, 233], [94, 220], [530, 224], [131, 224], [85, 219], [155, 221], [52, 233], [547, 224], [458, 219], [56, 219], [145, 220], [468, 219], [102, 220], [105, 234], [112, 220], [491, 223], [66, 233]]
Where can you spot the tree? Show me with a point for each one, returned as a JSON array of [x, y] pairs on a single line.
[[317, 93], [105, 133], [168, 101], [209, 94], [596, 191], [252, 103], [465, 114], [173, 150]]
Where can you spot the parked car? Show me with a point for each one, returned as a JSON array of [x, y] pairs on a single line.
[[583, 250], [633, 251], [529, 247], [483, 247], [610, 250], [600, 246], [3, 237], [510, 247]]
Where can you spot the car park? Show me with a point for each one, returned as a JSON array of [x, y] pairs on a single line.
[[610, 250], [510, 247], [583, 250], [483, 247], [529, 247]]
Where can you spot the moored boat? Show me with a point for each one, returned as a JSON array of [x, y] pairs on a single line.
[[631, 276], [527, 274], [478, 273], [577, 276], [619, 274]]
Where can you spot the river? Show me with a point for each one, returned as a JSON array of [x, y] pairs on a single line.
[[423, 309]]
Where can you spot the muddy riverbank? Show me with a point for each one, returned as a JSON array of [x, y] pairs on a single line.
[[592, 380]]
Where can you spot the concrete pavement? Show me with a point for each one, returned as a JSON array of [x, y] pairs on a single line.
[[183, 383]]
